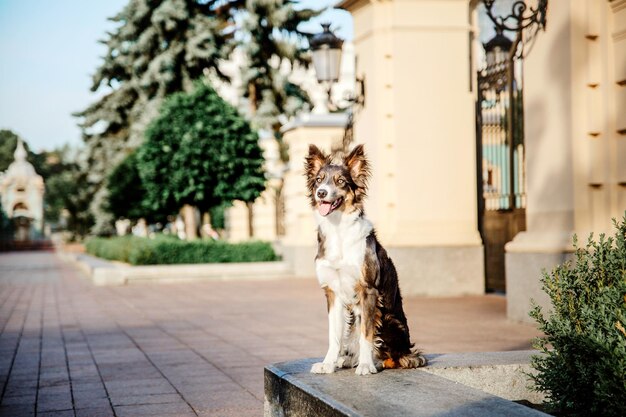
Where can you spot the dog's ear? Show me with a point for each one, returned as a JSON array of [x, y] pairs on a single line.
[[357, 163], [314, 161]]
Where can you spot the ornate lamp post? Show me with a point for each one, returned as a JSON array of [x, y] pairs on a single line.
[[326, 56]]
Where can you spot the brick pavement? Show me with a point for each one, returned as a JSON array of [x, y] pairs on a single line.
[[68, 348]]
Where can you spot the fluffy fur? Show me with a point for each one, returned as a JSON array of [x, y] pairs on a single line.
[[367, 328]]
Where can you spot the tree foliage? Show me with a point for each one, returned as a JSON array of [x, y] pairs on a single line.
[[583, 365], [200, 152], [158, 48], [126, 191], [270, 40], [8, 143], [161, 47]]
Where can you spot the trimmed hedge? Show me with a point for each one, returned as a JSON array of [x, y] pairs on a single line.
[[168, 250]]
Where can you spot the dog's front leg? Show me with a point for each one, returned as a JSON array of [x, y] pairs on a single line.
[[368, 297], [336, 323]]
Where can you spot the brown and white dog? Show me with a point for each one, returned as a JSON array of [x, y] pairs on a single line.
[[367, 328]]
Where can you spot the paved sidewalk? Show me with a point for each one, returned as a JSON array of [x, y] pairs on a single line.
[[68, 348]]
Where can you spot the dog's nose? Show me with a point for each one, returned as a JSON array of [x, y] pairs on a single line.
[[322, 193]]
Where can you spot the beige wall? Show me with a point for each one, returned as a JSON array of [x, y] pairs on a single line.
[[599, 28], [264, 219]]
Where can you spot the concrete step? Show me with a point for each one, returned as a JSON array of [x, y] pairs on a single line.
[[291, 390], [103, 272]]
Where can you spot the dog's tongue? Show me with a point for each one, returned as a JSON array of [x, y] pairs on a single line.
[[324, 208]]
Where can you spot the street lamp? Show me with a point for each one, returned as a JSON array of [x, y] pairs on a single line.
[[326, 56], [497, 49]]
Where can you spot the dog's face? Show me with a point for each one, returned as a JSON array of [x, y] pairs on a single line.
[[336, 187]]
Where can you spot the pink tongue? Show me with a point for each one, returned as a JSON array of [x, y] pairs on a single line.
[[324, 208]]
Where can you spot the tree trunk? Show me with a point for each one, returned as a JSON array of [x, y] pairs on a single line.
[[252, 97], [279, 207], [191, 224], [250, 207]]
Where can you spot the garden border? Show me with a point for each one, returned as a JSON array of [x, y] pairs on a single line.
[[103, 273]]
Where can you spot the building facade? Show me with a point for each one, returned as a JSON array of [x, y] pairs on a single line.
[[21, 193]]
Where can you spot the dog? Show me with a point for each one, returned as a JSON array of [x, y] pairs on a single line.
[[367, 328]]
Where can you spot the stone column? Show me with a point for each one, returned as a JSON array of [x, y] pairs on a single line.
[[419, 131], [548, 124]]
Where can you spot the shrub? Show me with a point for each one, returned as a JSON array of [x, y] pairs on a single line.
[[114, 249], [583, 366], [167, 250]]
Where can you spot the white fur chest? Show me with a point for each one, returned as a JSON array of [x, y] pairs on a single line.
[[339, 268]]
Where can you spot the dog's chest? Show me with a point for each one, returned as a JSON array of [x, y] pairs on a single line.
[[340, 257]]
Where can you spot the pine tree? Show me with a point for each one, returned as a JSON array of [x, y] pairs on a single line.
[[8, 143], [273, 46], [158, 48]]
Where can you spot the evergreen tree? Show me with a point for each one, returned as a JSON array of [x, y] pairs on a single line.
[[273, 45], [8, 143], [199, 152], [158, 48]]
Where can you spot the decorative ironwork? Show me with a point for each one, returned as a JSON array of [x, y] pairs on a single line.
[[500, 128], [523, 18]]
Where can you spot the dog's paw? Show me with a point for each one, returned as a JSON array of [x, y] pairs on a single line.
[[345, 362], [323, 368], [366, 369]]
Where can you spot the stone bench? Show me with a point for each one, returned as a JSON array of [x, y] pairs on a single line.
[[454, 385]]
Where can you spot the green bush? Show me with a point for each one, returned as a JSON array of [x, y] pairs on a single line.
[[583, 366], [114, 249], [168, 250]]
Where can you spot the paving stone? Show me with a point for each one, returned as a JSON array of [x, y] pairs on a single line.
[[17, 410], [95, 401], [65, 413], [95, 412], [180, 409], [146, 399], [54, 402]]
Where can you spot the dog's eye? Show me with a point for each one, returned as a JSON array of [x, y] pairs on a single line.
[[341, 181], [318, 180]]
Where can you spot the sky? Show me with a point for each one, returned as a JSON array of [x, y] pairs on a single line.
[[49, 51]]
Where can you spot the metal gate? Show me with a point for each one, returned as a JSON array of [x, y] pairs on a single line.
[[501, 166]]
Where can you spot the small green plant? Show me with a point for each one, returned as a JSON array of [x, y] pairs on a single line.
[[582, 368], [168, 250]]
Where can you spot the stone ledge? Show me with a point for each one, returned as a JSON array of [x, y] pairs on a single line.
[[103, 272], [441, 389]]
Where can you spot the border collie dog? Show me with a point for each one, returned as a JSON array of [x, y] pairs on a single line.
[[367, 328]]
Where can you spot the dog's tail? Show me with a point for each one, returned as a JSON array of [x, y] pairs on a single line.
[[415, 359]]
